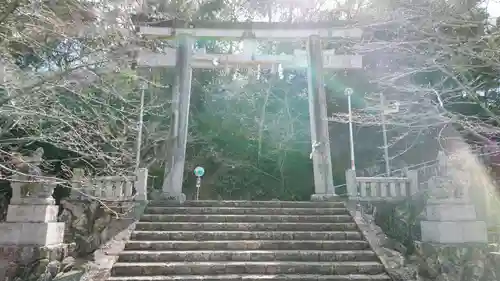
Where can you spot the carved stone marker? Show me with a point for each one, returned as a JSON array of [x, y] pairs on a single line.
[[27, 185]]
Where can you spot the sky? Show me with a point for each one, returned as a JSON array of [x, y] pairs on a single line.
[[493, 7]]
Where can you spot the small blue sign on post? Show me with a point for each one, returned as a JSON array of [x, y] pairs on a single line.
[[199, 171]]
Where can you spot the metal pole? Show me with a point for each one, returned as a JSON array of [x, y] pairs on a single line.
[[384, 133], [139, 133], [348, 92], [198, 185]]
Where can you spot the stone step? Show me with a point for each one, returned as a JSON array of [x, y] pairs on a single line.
[[245, 211], [247, 245], [246, 218], [271, 277], [206, 268], [302, 226], [236, 277], [254, 204], [285, 255], [245, 235]]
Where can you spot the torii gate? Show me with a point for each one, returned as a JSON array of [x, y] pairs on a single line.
[[184, 59]]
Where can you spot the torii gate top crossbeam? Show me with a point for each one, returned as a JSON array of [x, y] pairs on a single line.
[[251, 30]]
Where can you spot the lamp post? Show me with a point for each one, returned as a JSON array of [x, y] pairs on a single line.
[[348, 92]]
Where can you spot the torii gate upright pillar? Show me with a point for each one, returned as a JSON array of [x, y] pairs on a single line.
[[176, 148], [322, 161]]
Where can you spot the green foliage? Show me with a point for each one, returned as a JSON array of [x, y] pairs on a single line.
[[401, 221], [252, 138]]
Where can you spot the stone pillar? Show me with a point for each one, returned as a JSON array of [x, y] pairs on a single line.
[[320, 140], [176, 149], [31, 232]]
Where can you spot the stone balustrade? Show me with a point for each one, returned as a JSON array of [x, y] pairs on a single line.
[[113, 188], [381, 188]]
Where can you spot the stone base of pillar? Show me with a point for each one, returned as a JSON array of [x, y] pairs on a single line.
[[32, 201], [159, 195], [452, 221], [32, 213], [450, 211], [32, 233], [325, 197], [32, 225], [454, 232], [31, 240]]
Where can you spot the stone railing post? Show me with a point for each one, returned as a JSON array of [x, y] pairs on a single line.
[[76, 185], [141, 185], [16, 186], [350, 180], [413, 181], [442, 160]]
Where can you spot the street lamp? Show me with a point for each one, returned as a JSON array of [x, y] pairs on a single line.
[[348, 92]]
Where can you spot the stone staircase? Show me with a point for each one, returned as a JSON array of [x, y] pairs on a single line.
[[247, 240]]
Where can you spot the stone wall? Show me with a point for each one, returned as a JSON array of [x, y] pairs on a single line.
[[430, 262], [390, 252], [492, 266], [90, 223], [95, 232], [453, 262], [101, 227], [100, 231], [37, 263]]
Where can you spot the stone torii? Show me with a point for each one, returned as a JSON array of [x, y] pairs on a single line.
[[184, 58]]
